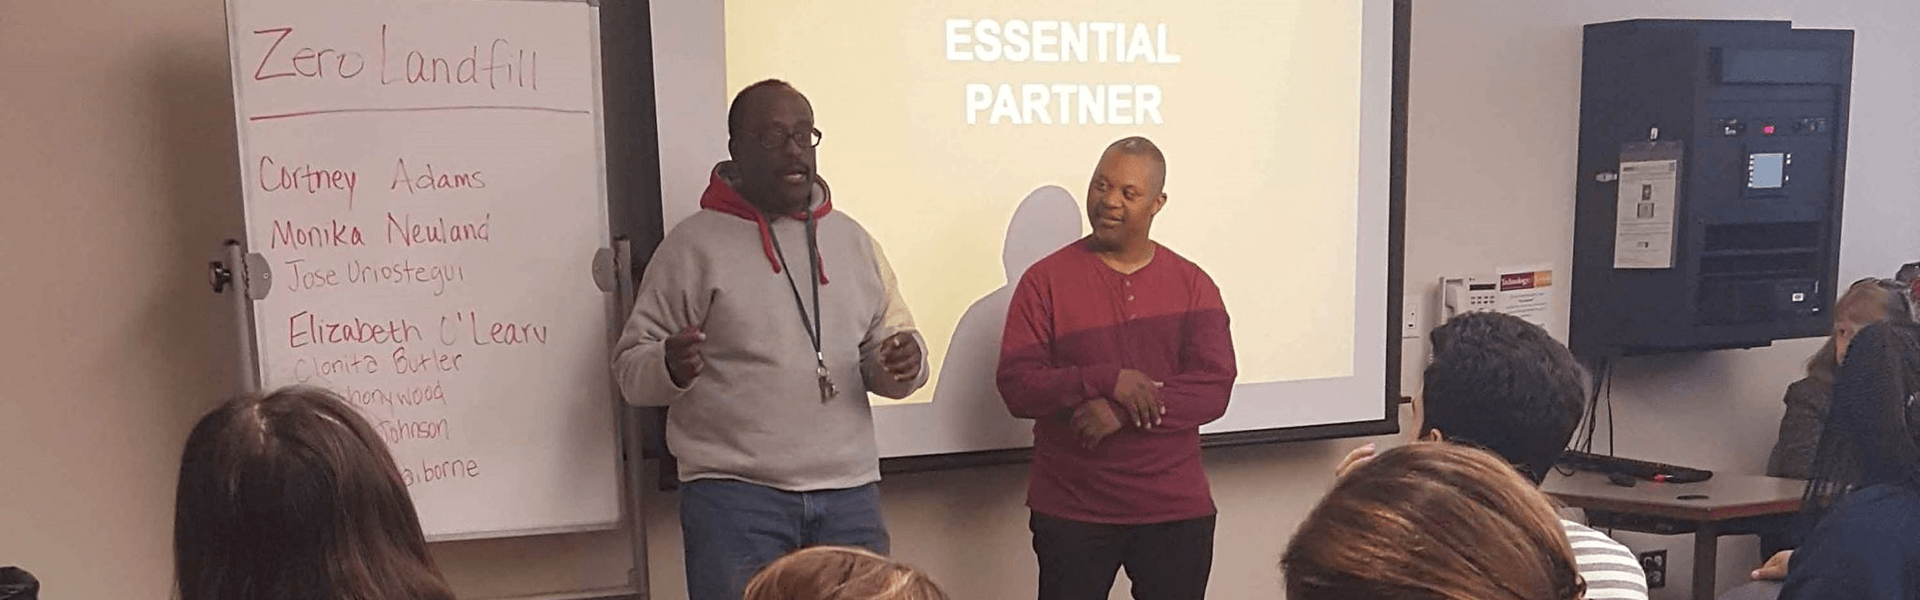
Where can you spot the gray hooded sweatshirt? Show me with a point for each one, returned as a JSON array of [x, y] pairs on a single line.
[[755, 412]]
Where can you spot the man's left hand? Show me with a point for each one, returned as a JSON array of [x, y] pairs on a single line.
[[1093, 421], [900, 356]]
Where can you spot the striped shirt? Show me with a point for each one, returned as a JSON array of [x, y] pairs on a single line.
[[1611, 571]]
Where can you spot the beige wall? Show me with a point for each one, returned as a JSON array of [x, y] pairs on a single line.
[[118, 165], [117, 160], [118, 170]]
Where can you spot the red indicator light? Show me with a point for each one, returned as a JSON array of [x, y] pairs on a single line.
[[1767, 130]]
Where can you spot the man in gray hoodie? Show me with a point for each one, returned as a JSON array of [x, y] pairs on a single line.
[[763, 321]]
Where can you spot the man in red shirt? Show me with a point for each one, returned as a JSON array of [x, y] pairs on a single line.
[[1119, 351]]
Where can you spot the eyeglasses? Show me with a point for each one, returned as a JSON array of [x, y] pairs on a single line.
[[775, 138]]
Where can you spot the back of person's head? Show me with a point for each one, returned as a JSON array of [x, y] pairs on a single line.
[[293, 496], [1869, 437], [1908, 274], [1432, 521], [840, 573], [1503, 384], [17, 584], [1866, 302]]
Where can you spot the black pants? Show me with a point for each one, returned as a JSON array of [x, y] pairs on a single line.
[[1165, 561]]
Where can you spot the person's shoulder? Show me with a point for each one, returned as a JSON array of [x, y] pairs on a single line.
[[1196, 275], [1176, 259], [1576, 528], [1587, 540], [694, 233], [1058, 266], [1904, 328], [699, 224], [706, 238], [838, 222], [1070, 257], [1611, 570], [1887, 336], [1161, 250], [1808, 389], [1074, 253], [1885, 499]]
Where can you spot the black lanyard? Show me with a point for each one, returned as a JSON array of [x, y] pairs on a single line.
[[814, 325]]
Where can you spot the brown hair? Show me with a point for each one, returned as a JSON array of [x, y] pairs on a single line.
[[1432, 521], [1866, 302], [293, 496], [840, 573]]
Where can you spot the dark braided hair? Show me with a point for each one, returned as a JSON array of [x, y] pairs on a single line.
[[1869, 438]]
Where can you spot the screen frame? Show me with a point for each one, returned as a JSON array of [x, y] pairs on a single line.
[[637, 208]]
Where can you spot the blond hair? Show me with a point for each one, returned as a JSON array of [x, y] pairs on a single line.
[[1866, 302], [840, 573], [1432, 521]]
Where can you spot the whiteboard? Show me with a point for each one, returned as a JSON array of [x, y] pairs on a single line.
[[423, 180]]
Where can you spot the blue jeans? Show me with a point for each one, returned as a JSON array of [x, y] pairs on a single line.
[[731, 529]]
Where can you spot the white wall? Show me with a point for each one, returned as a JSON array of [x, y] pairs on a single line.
[[118, 163], [1493, 127]]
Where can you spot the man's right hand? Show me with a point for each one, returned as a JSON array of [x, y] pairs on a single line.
[[684, 360], [1140, 396]]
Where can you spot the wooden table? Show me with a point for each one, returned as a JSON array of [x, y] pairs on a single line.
[[1723, 505]]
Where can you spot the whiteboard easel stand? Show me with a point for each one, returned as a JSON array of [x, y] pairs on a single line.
[[249, 278], [633, 464], [251, 284]]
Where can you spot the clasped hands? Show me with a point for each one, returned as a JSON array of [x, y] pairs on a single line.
[[1136, 401]]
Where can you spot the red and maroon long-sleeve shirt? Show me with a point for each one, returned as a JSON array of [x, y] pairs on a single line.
[[1074, 324]]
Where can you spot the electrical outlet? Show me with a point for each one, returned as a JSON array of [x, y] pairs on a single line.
[[1410, 317], [1654, 562]]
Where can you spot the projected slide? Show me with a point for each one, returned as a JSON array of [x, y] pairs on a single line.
[[963, 134]]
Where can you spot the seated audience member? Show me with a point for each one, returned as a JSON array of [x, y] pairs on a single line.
[[1504, 385], [1865, 493], [840, 573], [1432, 521], [1866, 302], [293, 496]]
